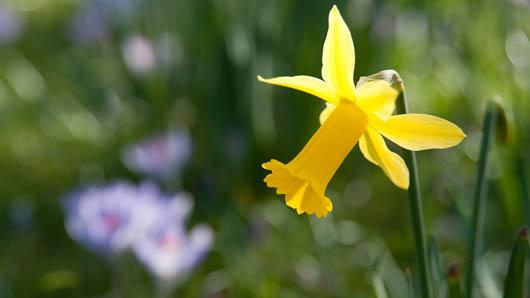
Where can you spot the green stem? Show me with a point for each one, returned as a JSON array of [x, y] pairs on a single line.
[[162, 293], [410, 287], [454, 282], [514, 284], [481, 189], [163, 288], [415, 203], [525, 195], [118, 283], [438, 285]]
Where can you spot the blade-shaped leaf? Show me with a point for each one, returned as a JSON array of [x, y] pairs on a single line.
[[454, 282], [514, 282]]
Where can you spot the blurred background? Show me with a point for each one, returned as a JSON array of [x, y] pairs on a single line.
[[83, 81]]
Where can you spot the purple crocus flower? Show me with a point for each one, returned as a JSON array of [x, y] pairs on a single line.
[[114, 218], [161, 156], [95, 17], [139, 54], [87, 26], [107, 219], [167, 250], [11, 26]]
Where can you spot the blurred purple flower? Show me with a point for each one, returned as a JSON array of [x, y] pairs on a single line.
[[94, 17], [160, 156], [117, 217], [118, 10], [107, 219], [166, 249], [87, 25], [11, 26], [139, 54]]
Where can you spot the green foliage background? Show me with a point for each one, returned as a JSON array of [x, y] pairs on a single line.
[[67, 109]]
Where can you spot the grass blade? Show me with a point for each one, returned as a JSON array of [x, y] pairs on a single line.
[[410, 286], [477, 219], [515, 279], [454, 282], [438, 282], [523, 182]]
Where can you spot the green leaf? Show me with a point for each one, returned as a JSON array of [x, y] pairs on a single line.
[[439, 286], [479, 197], [377, 280], [454, 282], [410, 287], [514, 283]]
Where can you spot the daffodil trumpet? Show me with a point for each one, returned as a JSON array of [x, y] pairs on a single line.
[[363, 115]]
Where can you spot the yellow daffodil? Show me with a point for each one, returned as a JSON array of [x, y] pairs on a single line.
[[363, 114]]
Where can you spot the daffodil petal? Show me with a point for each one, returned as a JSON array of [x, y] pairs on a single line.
[[307, 84], [304, 179], [338, 56], [420, 131], [378, 98], [299, 193], [367, 153], [374, 149], [326, 112]]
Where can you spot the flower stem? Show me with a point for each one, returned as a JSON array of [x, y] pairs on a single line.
[[481, 189], [163, 288], [454, 282], [118, 283], [525, 195], [438, 284], [514, 284], [410, 287], [415, 203], [162, 293]]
